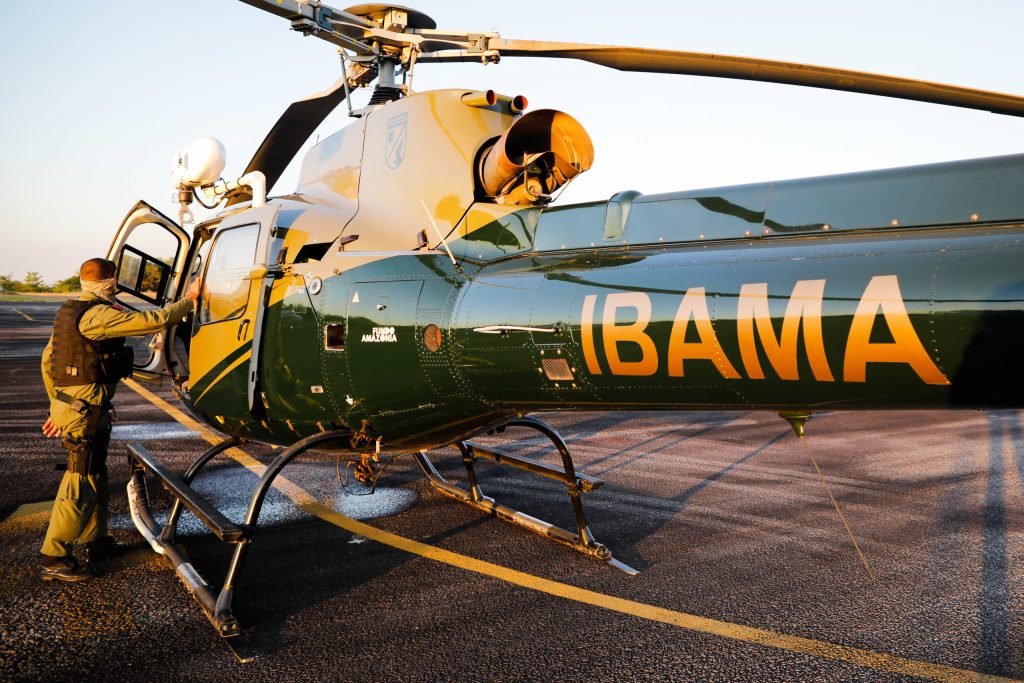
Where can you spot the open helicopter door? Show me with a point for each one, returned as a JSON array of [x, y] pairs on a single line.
[[224, 354], [150, 251]]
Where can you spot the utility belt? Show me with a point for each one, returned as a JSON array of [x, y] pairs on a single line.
[[82, 456]]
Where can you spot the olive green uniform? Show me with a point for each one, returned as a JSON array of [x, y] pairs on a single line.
[[80, 511]]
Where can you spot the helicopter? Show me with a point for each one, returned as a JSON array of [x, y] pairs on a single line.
[[420, 287]]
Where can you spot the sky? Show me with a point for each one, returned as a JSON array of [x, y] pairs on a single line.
[[98, 96]]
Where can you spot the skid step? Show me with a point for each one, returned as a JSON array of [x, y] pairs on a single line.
[[222, 527], [557, 472]]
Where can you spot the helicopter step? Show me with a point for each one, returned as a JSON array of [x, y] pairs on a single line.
[[223, 528], [217, 605], [576, 484]]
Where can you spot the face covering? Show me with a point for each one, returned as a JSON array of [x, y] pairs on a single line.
[[104, 289]]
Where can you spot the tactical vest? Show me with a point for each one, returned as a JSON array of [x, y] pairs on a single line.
[[76, 359]]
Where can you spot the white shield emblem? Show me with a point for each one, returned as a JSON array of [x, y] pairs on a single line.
[[394, 147]]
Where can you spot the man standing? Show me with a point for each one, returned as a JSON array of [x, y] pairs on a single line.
[[82, 363]]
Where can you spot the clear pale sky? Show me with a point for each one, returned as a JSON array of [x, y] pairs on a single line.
[[99, 95]]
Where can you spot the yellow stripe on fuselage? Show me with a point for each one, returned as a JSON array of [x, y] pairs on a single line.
[[244, 358]]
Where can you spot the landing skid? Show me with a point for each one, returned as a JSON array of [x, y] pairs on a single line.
[[217, 605], [576, 485], [241, 648]]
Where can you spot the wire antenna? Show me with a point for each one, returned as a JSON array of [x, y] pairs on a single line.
[[835, 505], [438, 232]]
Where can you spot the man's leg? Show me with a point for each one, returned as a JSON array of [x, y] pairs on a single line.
[[95, 528], [72, 510], [74, 506], [97, 543], [93, 524]]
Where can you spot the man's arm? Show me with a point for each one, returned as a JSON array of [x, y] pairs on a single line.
[[107, 322], [47, 380], [49, 428]]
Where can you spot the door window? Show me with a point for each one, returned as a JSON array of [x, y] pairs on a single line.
[[225, 292], [145, 264]]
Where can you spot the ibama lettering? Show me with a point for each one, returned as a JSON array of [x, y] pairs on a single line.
[[626, 316]]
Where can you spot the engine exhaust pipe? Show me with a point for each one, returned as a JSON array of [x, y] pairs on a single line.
[[480, 98], [515, 104], [539, 153]]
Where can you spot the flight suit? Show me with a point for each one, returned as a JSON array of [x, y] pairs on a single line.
[[80, 511]]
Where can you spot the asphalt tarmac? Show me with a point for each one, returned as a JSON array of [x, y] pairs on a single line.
[[746, 570]]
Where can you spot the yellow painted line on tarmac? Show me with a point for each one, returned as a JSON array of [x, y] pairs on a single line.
[[25, 316], [29, 509], [691, 622]]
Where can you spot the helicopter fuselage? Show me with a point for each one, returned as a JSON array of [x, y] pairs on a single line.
[[890, 289]]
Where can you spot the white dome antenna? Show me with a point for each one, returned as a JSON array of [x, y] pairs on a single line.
[[199, 163], [198, 166]]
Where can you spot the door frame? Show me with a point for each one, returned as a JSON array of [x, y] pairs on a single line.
[[260, 277], [144, 214]]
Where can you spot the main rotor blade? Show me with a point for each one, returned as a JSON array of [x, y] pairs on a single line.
[[750, 69], [290, 132]]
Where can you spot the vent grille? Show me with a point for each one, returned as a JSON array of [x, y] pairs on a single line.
[[557, 369]]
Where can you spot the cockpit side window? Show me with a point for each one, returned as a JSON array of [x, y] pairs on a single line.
[[225, 292]]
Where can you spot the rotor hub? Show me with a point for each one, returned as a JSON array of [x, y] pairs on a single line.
[[393, 17]]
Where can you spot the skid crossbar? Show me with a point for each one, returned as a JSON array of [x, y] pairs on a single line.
[[576, 484], [584, 482], [172, 520]]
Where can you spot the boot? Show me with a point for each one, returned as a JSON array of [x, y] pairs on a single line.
[[101, 549], [64, 569]]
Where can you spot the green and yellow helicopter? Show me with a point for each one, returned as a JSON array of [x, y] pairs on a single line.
[[417, 289]]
